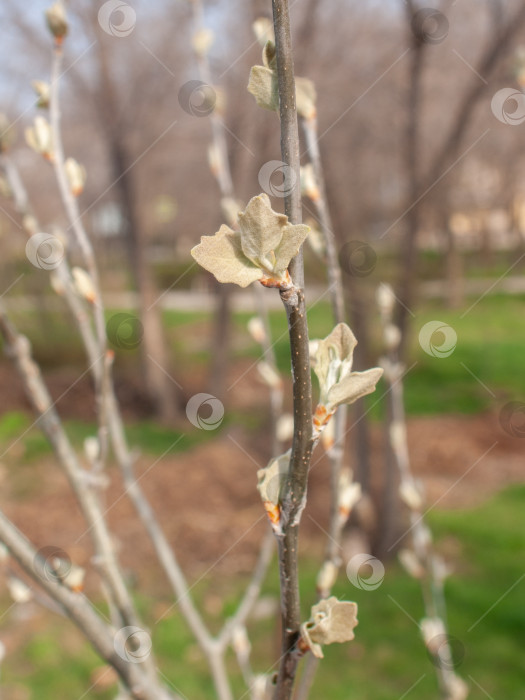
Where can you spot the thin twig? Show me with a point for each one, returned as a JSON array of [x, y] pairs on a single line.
[[426, 566], [19, 349], [224, 179], [71, 206], [78, 609], [336, 450]]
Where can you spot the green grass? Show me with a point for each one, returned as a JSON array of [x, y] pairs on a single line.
[[490, 342], [148, 436], [485, 370], [486, 608]]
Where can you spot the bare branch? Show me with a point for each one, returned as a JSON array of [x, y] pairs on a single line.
[[295, 491], [78, 609]]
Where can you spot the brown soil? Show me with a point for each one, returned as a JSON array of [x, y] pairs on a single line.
[[205, 498]]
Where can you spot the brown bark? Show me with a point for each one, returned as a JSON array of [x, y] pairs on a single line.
[[154, 351]]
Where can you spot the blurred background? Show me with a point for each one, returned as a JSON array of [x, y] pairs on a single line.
[[422, 135]]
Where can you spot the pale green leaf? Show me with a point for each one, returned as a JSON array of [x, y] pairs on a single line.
[[269, 55], [263, 86], [261, 231], [292, 239], [331, 621], [353, 386], [336, 348], [222, 255], [272, 478], [305, 97]]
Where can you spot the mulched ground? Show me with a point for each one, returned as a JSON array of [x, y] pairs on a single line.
[[206, 497]]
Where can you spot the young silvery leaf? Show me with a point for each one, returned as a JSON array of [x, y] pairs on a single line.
[[76, 175], [271, 481], [411, 563], [331, 621], [263, 86], [7, 135], [39, 137], [263, 30], [84, 284], [42, 90], [57, 21], [305, 97], [260, 250], [202, 41], [333, 367], [349, 493], [326, 577]]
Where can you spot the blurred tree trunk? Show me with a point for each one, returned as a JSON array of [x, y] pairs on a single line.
[[389, 520], [455, 273], [220, 349], [154, 351], [499, 43], [409, 256], [485, 249], [357, 310]]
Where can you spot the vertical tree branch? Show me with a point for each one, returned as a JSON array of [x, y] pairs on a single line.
[[102, 379], [422, 562], [336, 450], [335, 282], [295, 490], [224, 180], [499, 44], [276, 392], [412, 155]]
